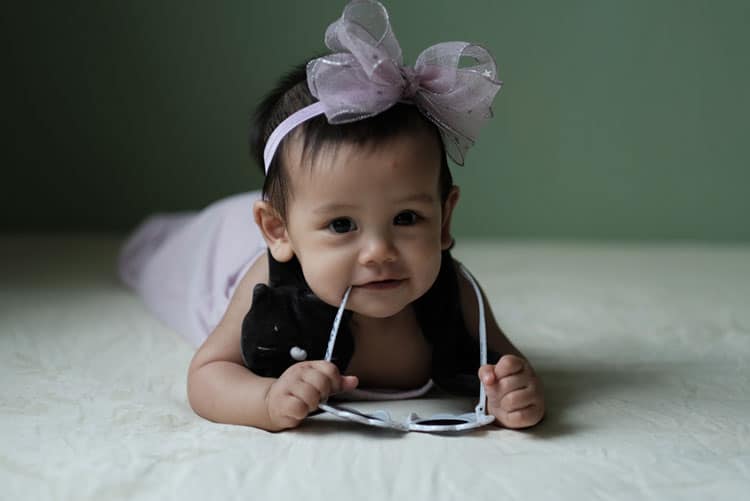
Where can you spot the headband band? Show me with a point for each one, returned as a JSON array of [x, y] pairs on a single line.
[[286, 126]]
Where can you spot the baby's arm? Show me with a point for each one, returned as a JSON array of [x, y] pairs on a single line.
[[222, 389], [514, 392]]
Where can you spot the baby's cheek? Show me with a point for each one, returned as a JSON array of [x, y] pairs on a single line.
[[329, 283], [428, 272]]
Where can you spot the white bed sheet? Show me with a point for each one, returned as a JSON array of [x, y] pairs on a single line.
[[644, 350]]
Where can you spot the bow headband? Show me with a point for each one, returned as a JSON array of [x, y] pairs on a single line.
[[365, 76]]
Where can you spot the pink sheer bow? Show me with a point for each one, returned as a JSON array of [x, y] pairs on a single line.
[[365, 76]]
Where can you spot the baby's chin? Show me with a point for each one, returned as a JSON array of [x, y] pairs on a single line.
[[376, 311], [370, 310]]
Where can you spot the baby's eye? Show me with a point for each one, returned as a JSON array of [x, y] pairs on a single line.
[[342, 225], [406, 218]]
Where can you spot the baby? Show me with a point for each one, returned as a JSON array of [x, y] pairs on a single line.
[[357, 194]]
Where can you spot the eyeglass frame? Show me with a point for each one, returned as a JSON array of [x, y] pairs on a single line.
[[383, 419]]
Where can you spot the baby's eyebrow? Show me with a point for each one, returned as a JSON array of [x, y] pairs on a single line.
[[333, 207], [422, 198]]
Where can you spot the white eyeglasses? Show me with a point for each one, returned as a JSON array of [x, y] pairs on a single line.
[[436, 423]]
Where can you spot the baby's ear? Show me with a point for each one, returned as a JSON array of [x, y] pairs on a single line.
[[446, 240], [274, 231]]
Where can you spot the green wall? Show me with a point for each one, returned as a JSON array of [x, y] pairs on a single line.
[[618, 119]]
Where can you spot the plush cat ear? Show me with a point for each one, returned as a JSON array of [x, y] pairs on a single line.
[[261, 294]]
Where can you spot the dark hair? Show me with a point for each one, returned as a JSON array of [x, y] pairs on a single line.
[[291, 94]]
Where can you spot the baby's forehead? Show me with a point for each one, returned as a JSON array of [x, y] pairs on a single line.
[[384, 169], [305, 155]]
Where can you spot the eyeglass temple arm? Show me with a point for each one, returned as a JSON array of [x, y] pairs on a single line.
[[335, 328], [480, 408], [336, 322]]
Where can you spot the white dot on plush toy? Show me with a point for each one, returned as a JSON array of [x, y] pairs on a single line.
[[298, 353]]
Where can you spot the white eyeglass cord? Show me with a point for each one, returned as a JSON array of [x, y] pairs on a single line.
[[335, 328]]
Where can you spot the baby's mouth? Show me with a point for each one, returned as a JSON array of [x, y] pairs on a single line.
[[382, 284]]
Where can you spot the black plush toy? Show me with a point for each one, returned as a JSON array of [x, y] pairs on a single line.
[[288, 323]]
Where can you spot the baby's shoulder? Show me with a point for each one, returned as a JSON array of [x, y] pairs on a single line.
[[256, 274]]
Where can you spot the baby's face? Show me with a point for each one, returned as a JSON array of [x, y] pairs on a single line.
[[370, 218]]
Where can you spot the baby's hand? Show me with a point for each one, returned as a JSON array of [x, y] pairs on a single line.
[[300, 389], [514, 393]]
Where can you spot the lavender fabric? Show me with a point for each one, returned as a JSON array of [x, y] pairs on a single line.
[[365, 76], [186, 266]]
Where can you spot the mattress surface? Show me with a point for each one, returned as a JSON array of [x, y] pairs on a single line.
[[643, 348]]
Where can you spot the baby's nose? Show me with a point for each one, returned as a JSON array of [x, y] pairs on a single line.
[[378, 249]]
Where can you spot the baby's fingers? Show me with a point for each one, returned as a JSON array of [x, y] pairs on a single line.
[[335, 381], [519, 399], [291, 411], [523, 418], [513, 383], [308, 394], [486, 375], [509, 365], [348, 383], [520, 408], [324, 383]]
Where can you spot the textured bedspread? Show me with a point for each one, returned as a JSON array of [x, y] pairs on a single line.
[[644, 349]]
